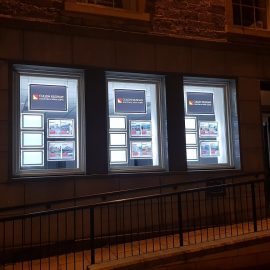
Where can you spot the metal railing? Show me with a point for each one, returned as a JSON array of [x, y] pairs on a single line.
[[80, 236], [124, 193]]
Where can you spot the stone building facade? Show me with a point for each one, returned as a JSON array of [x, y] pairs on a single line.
[[175, 37]]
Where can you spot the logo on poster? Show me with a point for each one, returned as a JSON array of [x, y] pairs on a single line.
[[130, 101], [200, 103], [48, 97]]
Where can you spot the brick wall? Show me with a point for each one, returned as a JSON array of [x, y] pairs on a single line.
[[183, 18], [205, 18]]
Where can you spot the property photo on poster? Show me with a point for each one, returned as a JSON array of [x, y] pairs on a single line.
[[60, 128], [199, 103], [209, 149], [47, 97], [140, 128], [129, 101], [208, 129], [140, 149], [61, 151]]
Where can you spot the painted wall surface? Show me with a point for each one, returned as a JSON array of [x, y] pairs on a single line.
[[51, 43]]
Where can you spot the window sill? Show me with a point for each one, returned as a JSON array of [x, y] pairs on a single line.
[[241, 30], [106, 11]]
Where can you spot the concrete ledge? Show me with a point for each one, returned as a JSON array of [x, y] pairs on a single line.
[[231, 252]]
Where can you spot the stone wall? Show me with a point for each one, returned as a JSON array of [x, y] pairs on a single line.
[[179, 18], [190, 18]]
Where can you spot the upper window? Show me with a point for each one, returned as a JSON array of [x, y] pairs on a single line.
[[211, 123], [48, 135], [136, 130], [250, 13], [128, 9]]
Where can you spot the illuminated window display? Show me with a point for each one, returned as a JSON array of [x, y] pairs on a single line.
[[48, 113], [210, 109], [135, 135]]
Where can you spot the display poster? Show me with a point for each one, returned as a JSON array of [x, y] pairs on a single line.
[[117, 123], [61, 151], [208, 129], [192, 153], [118, 156], [118, 139], [199, 103], [140, 128], [32, 121], [129, 101], [32, 158], [140, 149], [60, 128], [209, 149], [47, 97], [32, 139], [190, 123]]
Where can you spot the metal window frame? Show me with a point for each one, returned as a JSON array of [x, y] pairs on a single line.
[[51, 72]]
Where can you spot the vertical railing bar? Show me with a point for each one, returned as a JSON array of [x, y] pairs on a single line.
[[49, 242], [159, 221], [261, 209], [152, 222], [101, 233], [224, 212], [165, 221], [206, 215], [109, 231], [200, 214], [230, 210], [31, 240], [83, 238], [247, 208], [145, 224], [172, 218], [92, 234], [131, 229], [188, 221], [124, 229], [218, 215], [235, 210], [138, 224], [241, 209], [213, 220], [22, 241], [74, 240], [58, 240], [66, 231], [40, 228], [13, 240], [254, 214], [194, 220], [116, 229], [180, 219]]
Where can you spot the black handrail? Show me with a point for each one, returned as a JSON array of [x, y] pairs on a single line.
[[153, 196], [48, 204]]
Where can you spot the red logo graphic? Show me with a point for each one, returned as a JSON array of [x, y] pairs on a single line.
[[35, 97], [119, 100], [191, 102]]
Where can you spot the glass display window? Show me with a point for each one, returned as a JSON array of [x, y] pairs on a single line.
[[48, 131], [210, 110], [135, 106]]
